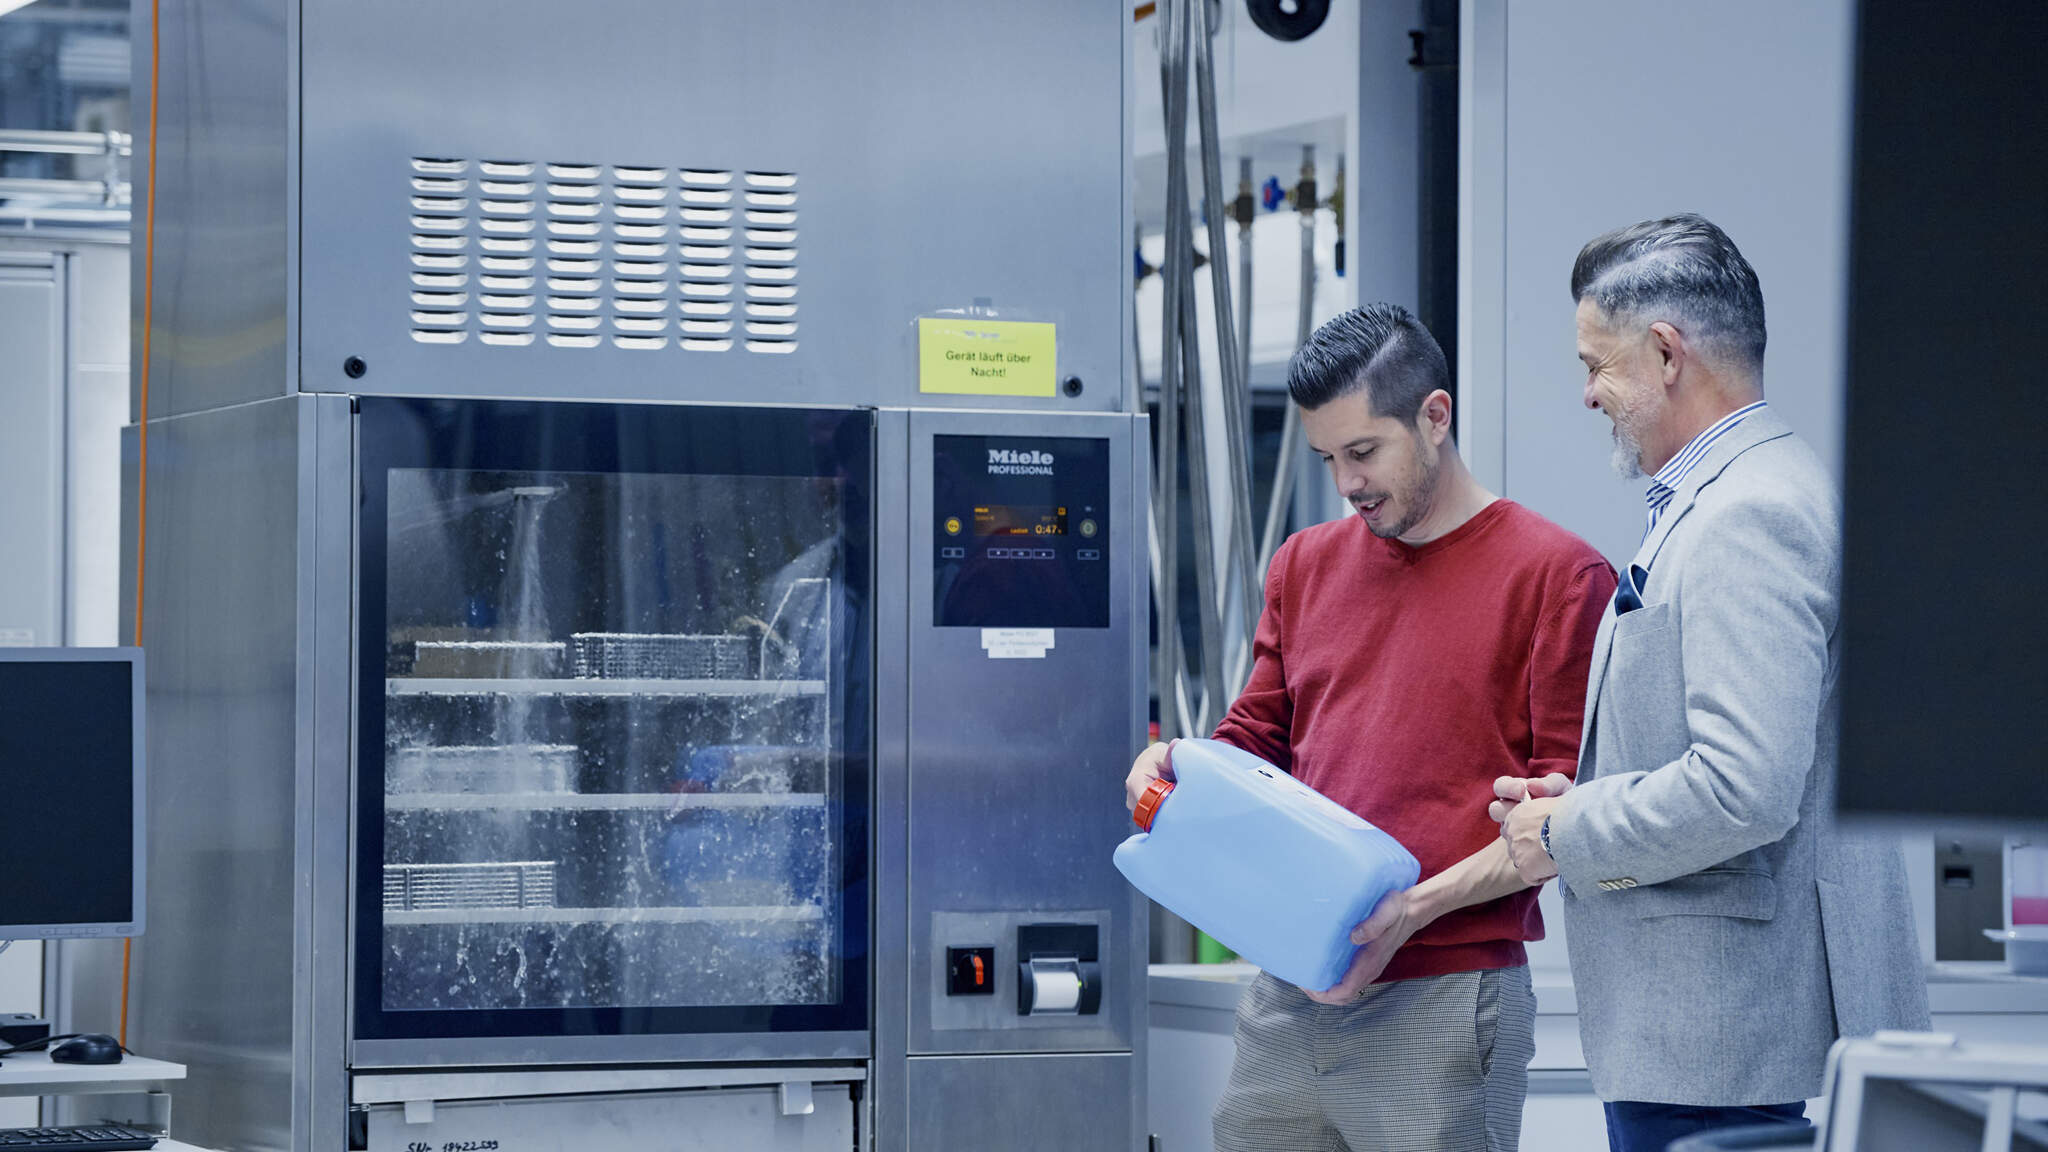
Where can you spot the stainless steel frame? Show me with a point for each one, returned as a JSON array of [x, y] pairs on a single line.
[[993, 179], [249, 715], [996, 785]]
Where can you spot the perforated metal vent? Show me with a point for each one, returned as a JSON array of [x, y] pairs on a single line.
[[515, 252]]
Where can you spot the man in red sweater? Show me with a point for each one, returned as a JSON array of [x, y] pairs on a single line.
[[1407, 657]]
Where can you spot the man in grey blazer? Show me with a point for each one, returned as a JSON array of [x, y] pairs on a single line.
[[1723, 931]]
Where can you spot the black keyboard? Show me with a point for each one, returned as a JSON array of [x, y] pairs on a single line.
[[82, 1138]]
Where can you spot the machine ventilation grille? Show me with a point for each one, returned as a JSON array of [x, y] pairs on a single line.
[[516, 251]]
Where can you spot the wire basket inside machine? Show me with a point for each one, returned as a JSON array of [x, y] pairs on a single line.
[[484, 768], [515, 884], [657, 656]]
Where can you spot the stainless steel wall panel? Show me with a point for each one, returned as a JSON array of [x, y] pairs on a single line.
[[1016, 764], [1026, 1103], [996, 175], [547, 1050], [218, 976], [320, 1098], [886, 1098], [223, 251], [704, 1120], [1135, 931], [484, 1084]]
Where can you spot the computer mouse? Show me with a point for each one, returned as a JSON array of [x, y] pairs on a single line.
[[91, 1048]]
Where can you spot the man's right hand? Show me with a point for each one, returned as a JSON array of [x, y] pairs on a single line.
[[1150, 765], [1512, 790]]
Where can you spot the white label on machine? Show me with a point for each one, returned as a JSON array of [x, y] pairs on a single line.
[[26, 638], [1016, 643]]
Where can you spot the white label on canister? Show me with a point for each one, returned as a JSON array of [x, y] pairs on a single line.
[[1016, 643]]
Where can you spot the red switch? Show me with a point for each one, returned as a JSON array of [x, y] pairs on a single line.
[[970, 971]]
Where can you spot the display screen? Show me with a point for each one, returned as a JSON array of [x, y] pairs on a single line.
[[1019, 520], [1020, 532], [67, 769]]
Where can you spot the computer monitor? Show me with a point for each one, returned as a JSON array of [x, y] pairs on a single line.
[[71, 793]]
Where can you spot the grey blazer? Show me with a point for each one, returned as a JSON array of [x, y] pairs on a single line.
[[1723, 931]]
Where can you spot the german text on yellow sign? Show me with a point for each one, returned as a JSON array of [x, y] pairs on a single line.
[[985, 357]]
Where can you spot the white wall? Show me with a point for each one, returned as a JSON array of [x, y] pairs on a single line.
[[1584, 116]]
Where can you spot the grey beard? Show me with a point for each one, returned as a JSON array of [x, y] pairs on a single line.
[[1628, 454]]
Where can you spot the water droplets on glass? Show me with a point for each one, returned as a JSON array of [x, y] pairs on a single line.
[[610, 745]]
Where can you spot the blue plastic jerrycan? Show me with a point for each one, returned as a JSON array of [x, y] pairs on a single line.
[[1274, 870]]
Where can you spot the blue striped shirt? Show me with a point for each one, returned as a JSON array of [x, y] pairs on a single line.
[[1664, 485]]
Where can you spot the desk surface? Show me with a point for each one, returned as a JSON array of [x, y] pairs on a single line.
[[1969, 987], [34, 1074]]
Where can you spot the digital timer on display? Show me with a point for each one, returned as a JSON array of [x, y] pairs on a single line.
[[1019, 520]]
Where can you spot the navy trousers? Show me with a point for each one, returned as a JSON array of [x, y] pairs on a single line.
[[1637, 1127]]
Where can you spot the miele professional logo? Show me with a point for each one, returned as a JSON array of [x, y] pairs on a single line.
[[1010, 462]]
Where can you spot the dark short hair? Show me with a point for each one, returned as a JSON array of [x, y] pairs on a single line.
[[1381, 348], [1682, 270]]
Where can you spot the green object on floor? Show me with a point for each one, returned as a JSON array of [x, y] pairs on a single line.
[[1208, 951]]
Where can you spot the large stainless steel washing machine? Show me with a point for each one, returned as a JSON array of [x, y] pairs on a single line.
[[607, 692]]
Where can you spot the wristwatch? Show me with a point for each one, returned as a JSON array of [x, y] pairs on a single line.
[[1543, 834]]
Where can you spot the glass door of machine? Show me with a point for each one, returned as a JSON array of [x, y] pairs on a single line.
[[613, 702]]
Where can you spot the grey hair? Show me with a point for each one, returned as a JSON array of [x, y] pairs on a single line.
[[1682, 270]]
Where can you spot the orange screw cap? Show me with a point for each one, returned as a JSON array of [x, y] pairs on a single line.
[[1148, 804]]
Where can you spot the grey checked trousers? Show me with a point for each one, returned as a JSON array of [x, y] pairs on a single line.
[[1434, 1064]]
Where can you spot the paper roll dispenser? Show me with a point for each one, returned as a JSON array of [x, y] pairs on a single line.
[[1059, 972]]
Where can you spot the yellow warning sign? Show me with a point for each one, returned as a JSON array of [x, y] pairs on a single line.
[[965, 356]]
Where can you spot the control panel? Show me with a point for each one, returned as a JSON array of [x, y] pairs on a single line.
[[1025, 693], [1020, 532]]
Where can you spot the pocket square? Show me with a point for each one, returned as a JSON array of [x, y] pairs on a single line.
[[1628, 591]]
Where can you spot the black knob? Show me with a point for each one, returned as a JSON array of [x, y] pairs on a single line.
[[355, 367], [1288, 19], [1073, 385]]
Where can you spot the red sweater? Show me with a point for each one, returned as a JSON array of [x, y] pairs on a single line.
[[1399, 681]]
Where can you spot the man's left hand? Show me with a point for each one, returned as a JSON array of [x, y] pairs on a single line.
[[1523, 831], [1392, 922]]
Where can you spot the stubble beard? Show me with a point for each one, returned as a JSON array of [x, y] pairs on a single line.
[[1416, 497]]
